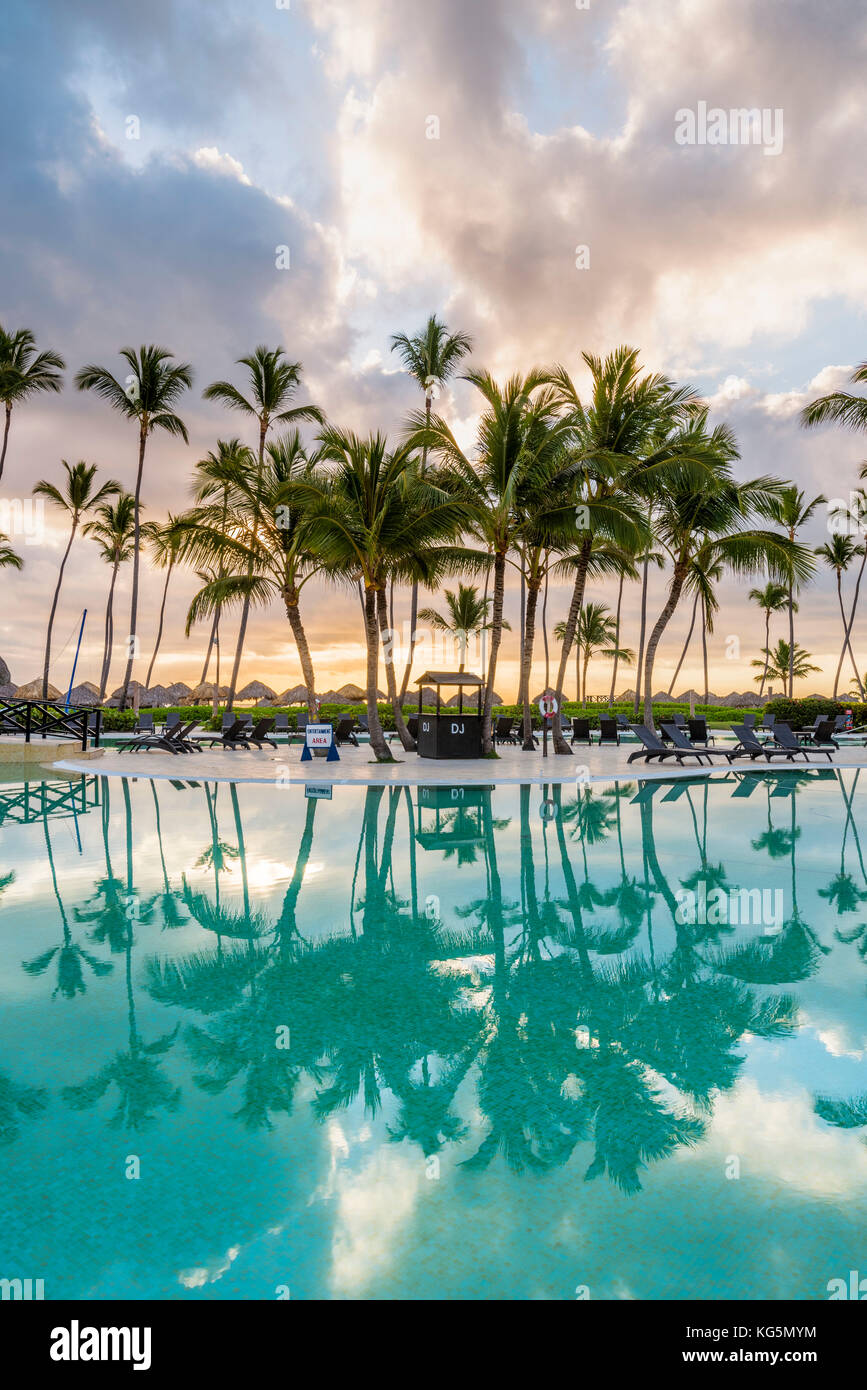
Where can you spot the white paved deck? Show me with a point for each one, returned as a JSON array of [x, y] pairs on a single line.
[[357, 766]]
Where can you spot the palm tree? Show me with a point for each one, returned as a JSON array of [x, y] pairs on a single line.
[[792, 511], [431, 358], [112, 529], [773, 598], [710, 520], [625, 569], [376, 517], [272, 383], [838, 554], [779, 663], [166, 541], [596, 633], [252, 537], [149, 396], [840, 408], [77, 499], [9, 558], [24, 372], [211, 483], [469, 614], [517, 435]]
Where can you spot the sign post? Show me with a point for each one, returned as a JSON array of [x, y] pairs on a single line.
[[548, 707], [319, 736]]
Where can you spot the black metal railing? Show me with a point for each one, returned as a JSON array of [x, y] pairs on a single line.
[[39, 718], [23, 803]]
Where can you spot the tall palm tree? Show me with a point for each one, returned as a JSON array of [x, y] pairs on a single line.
[[24, 372], [625, 568], [840, 407], [780, 662], [518, 433], [253, 539], [711, 520], [149, 396], [112, 529], [211, 483], [374, 516], [469, 615], [773, 598], [596, 633], [166, 541], [431, 358], [628, 441], [791, 511], [78, 498], [272, 382], [838, 554]]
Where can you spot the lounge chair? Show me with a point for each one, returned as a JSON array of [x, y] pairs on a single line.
[[345, 731], [822, 732], [784, 738], [258, 736], [698, 730], [173, 719], [688, 745], [177, 740], [750, 721], [144, 723], [281, 724], [653, 747], [680, 721], [768, 722], [581, 731], [233, 737], [748, 746], [503, 729], [609, 730]]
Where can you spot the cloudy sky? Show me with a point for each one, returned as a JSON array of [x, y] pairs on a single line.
[[307, 124]]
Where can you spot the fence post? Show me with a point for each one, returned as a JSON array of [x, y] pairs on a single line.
[[97, 735], [28, 720]]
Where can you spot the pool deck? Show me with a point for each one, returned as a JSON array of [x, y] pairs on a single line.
[[357, 766]]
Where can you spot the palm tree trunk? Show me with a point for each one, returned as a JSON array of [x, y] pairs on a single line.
[[214, 622], [678, 579], [704, 648], [5, 436], [496, 638], [767, 651], [215, 697], [160, 628], [109, 635], [132, 640], [852, 620], [791, 639], [685, 647], [387, 636], [293, 613], [644, 577], [54, 609], [843, 649], [532, 598], [586, 667], [576, 603], [245, 610], [371, 633], [413, 607], [616, 641]]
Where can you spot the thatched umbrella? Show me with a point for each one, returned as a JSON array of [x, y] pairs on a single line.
[[296, 696], [256, 690], [177, 692], [156, 697], [133, 687], [352, 692], [331, 697], [7, 691], [33, 691], [84, 695]]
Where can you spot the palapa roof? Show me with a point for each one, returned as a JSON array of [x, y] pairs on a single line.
[[178, 690], [352, 692], [83, 695], [450, 678], [297, 695], [257, 690], [33, 691]]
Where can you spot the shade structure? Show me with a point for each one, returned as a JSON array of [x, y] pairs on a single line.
[[130, 694], [428, 695], [456, 700], [156, 697], [33, 691], [83, 695], [205, 691], [296, 695], [178, 691], [352, 692], [331, 697], [7, 691], [256, 690], [536, 698]]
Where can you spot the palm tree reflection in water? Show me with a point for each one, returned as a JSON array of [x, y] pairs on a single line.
[[578, 1015]]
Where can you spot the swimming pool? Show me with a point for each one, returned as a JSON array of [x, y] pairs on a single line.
[[506, 1042]]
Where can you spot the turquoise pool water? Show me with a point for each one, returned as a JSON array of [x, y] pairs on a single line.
[[463, 1043]]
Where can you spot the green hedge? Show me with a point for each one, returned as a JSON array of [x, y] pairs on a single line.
[[799, 713]]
